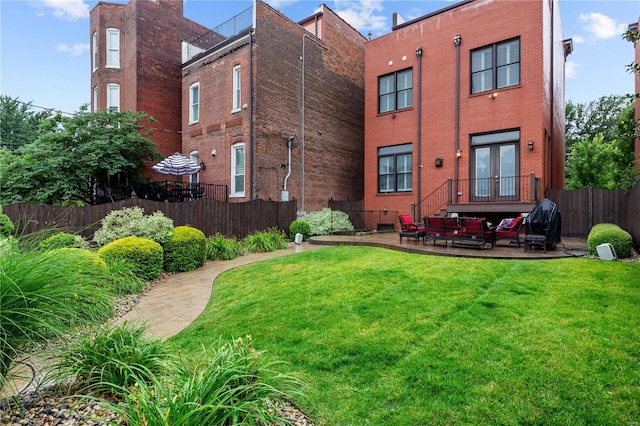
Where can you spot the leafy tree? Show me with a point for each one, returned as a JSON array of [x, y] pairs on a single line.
[[74, 154], [600, 117], [591, 164], [19, 124]]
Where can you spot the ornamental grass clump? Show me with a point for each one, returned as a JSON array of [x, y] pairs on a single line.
[[110, 358], [263, 242], [145, 256], [220, 247], [611, 233], [327, 221], [232, 385], [132, 222], [44, 295], [185, 251]]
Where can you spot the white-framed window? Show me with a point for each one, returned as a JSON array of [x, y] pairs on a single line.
[[237, 170], [194, 103], [95, 98], [236, 89], [113, 97], [94, 51], [194, 178], [113, 48]]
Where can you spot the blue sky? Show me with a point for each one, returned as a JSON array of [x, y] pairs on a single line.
[[44, 44]]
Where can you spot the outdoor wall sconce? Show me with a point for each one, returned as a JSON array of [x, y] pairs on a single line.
[[530, 145], [439, 162], [393, 116], [203, 166], [459, 153], [493, 96]]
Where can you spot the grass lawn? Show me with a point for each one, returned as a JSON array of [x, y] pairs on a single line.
[[388, 338]]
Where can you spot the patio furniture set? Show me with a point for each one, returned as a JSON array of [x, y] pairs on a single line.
[[460, 230]]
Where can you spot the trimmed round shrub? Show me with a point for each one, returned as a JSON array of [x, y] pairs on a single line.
[[300, 227], [82, 260], [186, 250], [6, 226], [61, 240], [132, 222], [610, 233], [145, 256], [328, 221]]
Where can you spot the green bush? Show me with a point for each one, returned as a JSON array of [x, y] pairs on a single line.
[[132, 222], [327, 221], [610, 233], [110, 358], [220, 247], [300, 227], [62, 239], [6, 226], [144, 255], [262, 242], [233, 385], [185, 251]]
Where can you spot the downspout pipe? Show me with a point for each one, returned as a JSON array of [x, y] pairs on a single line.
[[457, 40], [251, 133], [419, 134], [286, 178]]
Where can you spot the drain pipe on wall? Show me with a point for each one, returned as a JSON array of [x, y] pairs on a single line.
[[419, 134], [456, 41], [284, 195]]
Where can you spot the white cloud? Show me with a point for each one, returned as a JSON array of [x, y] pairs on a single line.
[[601, 26], [75, 50], [577, 39], [362, 14], [71, 10], [571, 69]]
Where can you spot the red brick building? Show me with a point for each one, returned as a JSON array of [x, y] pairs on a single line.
[[465, 110], [277, 110]]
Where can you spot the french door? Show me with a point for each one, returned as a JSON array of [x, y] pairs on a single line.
[[495, 173]]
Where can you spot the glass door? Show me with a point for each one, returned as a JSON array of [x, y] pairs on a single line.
[[495, 173]]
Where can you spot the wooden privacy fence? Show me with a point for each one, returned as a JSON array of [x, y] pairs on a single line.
[[583, 208], [209, 216]]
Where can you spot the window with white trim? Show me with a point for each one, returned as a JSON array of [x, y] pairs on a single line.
[[194, 103], [195, 177], [113, 97], [395, 168], [237, 170], [113, 48], [94, 51], [495, 66], [95, 98], [236, 89], [395, 91]]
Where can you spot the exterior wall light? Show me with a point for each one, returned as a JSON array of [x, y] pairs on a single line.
[[530, 145], [459, 153], [203, 166]]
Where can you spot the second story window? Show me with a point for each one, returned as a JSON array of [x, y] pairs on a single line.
[[113, 97], [236, 89], [395, 91], [496, 66], [94, 51], [194, 103], [113, 48]]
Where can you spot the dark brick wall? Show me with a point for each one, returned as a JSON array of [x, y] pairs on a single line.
[[526, 106]]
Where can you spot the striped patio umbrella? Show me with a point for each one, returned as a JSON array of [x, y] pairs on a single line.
[[177, 165]]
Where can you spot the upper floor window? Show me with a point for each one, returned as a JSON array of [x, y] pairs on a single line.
[[237, 170], [236, 89], [395, 169], [113, 97], [194, 103], [94, 51], [495, 66], [113, 48], [395, 90]]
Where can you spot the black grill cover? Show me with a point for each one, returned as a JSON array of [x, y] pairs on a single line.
[[544, 219]]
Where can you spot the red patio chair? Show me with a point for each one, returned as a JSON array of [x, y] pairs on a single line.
[[409, 229], [509, 232]]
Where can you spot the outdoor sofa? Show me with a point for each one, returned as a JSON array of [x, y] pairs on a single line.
[[466, 230]]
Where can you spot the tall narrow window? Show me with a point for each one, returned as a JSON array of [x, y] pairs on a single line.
[[395, 170], [113, 48], [395, 91], [195, 177], [237, 170], [194, 103], [94, 51], [496, 66], [113, 97], [236, 89], [95, 99]]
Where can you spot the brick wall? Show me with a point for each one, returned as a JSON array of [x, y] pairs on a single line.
[[525, 107]]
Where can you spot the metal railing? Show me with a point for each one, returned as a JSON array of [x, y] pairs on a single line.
[[229, 28]]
